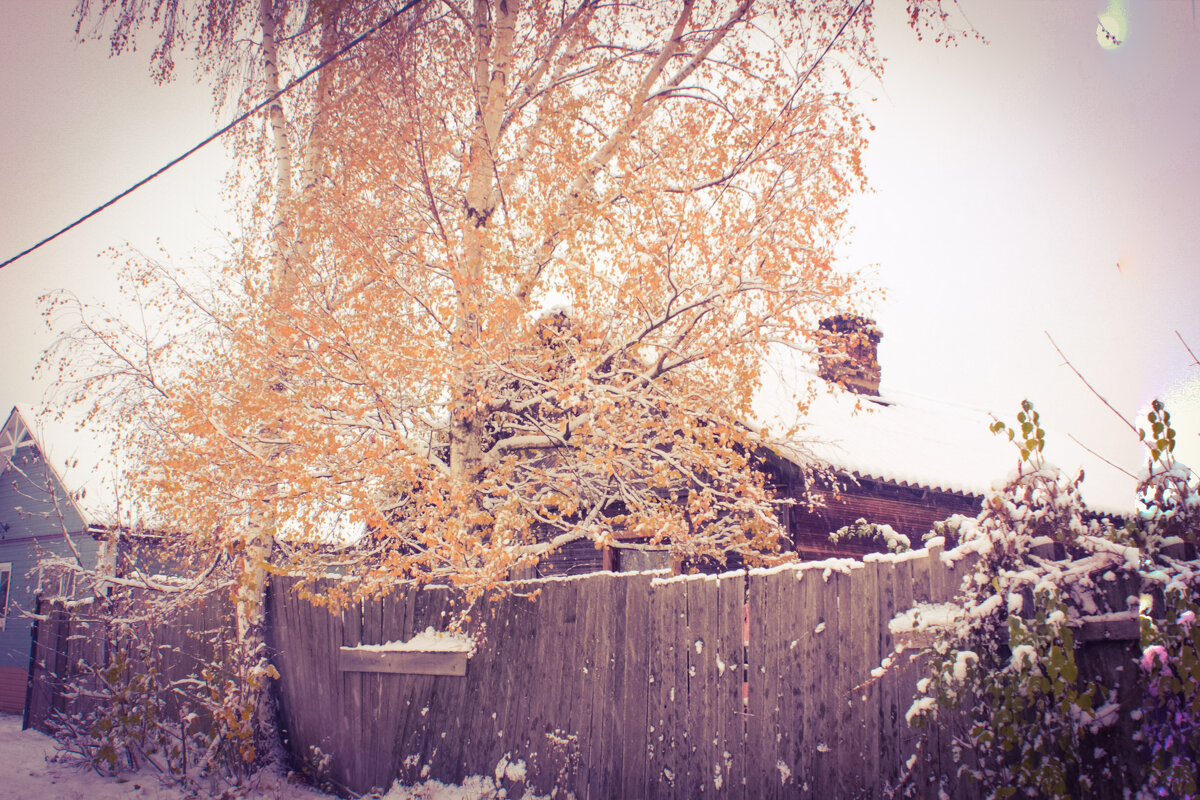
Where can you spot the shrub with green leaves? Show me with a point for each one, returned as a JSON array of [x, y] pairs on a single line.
[[1168, 508], [1170, 729], [1009, 664], [124, 724], [885, 535], [194, 729]]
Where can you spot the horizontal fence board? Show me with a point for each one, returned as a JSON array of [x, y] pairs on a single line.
[[412, 662], [1098, 630]]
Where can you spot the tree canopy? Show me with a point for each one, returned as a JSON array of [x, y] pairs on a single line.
[[509, 275]]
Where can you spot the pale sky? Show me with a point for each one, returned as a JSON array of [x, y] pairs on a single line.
[[1011, 178]]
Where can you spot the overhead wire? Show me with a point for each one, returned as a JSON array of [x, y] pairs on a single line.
[[223, 130]]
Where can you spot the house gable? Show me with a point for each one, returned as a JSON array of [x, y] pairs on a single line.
[[33, 500], [38, 519]]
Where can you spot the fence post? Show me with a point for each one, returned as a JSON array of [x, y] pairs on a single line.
[[32, 674]]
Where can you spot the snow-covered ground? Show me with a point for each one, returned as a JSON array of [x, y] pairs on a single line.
[[27, 773]]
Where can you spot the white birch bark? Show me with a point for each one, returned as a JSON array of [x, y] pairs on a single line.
[[493, 51]]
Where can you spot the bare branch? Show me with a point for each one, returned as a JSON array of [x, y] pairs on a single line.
[[1092, 389]]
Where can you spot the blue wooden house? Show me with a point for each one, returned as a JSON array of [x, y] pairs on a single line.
[[40, 519]]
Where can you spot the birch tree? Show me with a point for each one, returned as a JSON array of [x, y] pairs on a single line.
[[521, 291], [508, 276], [273, 186]]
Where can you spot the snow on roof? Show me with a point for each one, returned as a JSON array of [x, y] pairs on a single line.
[[916, 441], [899, 438]]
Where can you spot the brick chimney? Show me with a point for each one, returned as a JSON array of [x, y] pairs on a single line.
[[849, 353]]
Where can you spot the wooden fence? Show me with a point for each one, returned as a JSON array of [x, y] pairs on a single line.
[[68, 638], [741, 685], [744, 685]]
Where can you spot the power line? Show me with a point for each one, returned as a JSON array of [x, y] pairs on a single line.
[[221, 132]]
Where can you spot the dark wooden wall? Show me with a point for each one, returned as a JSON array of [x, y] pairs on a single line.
[[910, 510]]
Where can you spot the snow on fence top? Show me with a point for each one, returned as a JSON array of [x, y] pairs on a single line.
[[429, 640]]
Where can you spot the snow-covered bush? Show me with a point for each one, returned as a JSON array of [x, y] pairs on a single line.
[[1168, 508], [122, 724], [1009, 663], [227, 693], [1167, 524], [1170, 715], [186, 716]]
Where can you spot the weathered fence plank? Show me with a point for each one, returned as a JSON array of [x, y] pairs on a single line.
[[809, 653], [850, 654], [504, 651], [789, 713], [375, 715], [449, 708], [779, 715], [866, 695], [405, 766], [661, 688], [614, 685], [702, 612], [731, 600], [829, 740], [609, 600], [543, 686], [349, 725], [280, 630], [692, 774], [758, 758], [637, 643], [889, 716], [561, 739], [580, 676]]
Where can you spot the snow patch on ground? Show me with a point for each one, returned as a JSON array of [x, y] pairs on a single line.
[[27, 772], [477, 787]]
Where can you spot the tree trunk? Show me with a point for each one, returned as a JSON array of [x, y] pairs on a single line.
[[282, 279], [260, 544], [493, 52], [313, 166], [252, 638]]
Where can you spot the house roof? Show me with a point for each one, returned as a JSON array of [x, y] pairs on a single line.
[[903, 439], [910, 440]]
